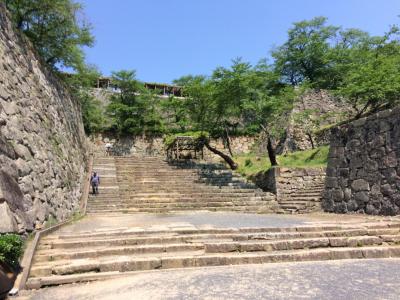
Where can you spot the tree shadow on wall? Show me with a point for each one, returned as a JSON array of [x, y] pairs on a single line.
[[214, 174]]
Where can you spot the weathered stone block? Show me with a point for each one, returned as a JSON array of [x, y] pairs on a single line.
[[331, 182], [6, 148], [360, 185], [8, 223], [361, 197], [10, 191]]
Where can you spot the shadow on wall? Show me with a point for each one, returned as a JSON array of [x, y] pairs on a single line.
[[214, 174]]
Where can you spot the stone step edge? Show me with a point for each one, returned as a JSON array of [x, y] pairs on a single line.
[[216, 246], [345, 229], [231, 259]]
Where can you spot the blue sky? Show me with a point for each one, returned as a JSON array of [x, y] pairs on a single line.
[[165, 39]]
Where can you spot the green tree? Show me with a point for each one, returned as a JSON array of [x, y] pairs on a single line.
[[371, 80], [174, 111], [269, 109], [304, 56], [80, 85], [57, 29], [133, 108], [231, 88], [309, 122]]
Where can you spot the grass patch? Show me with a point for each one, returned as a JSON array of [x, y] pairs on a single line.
[[51, 221], [250, 164]]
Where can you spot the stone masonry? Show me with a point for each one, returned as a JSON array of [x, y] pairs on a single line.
[[322, 105], [363, 173], [155, 146], [42, 141]]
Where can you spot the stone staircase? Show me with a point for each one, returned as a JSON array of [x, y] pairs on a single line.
[[69, 256], [150, 184], [304, 201], [109, 196]]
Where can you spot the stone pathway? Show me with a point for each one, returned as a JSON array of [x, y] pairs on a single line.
[[348, 279]]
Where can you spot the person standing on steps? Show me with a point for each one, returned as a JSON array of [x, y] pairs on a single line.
[[95, 182], [108, 149]]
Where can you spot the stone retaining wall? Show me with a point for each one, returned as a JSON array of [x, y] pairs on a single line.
[[323, 105], [42, 140], [155, 145], [363, 173]]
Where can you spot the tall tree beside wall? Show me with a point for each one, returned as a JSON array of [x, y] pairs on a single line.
[[57, 29]]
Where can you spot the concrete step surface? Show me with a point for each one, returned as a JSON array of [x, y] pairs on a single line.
[[74, 257]]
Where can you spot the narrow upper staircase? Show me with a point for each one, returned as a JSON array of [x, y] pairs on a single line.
[[150, 184], [109, 196], [302, 200]]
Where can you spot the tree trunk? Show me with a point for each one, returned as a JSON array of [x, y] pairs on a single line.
[[226, 158], [271, 153], [228, 142], [311, 140]]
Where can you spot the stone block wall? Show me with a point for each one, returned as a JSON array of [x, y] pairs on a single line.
[[363, 173], [130, 145], [42, 141], [322, 104], [155, 146]]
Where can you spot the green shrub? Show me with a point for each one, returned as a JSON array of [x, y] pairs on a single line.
[[170, 139], [11, 247], [248, 162]]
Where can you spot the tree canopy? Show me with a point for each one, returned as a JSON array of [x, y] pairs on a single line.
[[57, 29], [133, 108], [363, 69]]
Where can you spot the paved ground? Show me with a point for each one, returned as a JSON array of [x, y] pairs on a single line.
[[351, 279], [203, 219]]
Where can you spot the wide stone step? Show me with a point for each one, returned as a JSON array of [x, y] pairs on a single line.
[[46, 259], [293, 244], [188, 189], [192, 204], [184, 206], [242, 209], [167, 261], [251, 233], [145, 200], [189, 196], [50, 256]]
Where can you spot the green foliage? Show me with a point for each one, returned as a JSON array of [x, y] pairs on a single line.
[[241, 99], [175, 114], [248, 162], [11, 248], [361, 68], [56, 28], [200, 103], [196, 135], [304, 55], [134, 109], [301, 159], [93, 117], [371, 80], [80, 85]]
